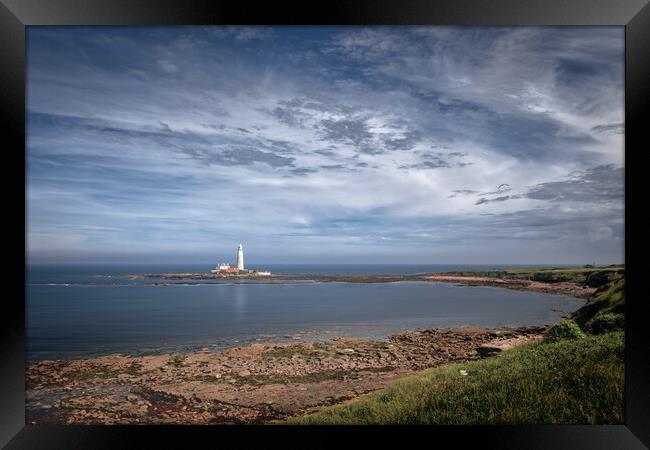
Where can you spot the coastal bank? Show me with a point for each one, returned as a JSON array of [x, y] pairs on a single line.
[[579, 282]]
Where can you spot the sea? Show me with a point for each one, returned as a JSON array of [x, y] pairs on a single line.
[[86, 310]]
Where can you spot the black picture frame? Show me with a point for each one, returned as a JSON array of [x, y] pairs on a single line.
[[634, 15]]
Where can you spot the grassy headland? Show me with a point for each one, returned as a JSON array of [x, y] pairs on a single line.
[[571, 381], [588, 275], [567, 382], [608, 299]]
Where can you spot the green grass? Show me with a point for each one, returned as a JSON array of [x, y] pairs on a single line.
[[609, 298], [589, 275], [315, 377], [565, 329], [99, 371], [568, 382]]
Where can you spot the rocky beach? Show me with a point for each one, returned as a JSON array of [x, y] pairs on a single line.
[[246, 385]]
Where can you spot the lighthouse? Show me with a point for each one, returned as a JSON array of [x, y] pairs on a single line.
[[240, 257]]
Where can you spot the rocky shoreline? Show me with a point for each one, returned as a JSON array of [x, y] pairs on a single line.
[[562, 288], [245, 385]]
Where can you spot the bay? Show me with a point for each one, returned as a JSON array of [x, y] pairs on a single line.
[[76, 311]]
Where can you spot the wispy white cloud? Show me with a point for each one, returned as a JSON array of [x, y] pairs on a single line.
[[381, 142]]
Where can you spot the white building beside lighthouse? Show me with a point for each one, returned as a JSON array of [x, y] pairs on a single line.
[[240, 257]]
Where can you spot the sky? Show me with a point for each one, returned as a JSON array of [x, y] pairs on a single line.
[[391, 145]]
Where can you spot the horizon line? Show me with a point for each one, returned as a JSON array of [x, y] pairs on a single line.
[[334, 264]]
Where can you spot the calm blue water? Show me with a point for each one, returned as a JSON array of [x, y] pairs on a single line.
[[78, 311]]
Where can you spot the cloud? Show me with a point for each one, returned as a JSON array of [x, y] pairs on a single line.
[[405, 142], [288, 116], [346, 130], [457, 192], [303, 171], [500, 189], [241, 155], [165, 127], [527, 92], [333, 167], [599, 185], [614, 128], [436, 160], [168, 66], [435, 164], [441, 141], [596, 185], [501, 198]]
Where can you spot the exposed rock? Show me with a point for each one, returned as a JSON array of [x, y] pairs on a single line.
[[265, 380], [487, 350]]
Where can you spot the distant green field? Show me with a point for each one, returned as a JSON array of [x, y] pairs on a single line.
[[589, 275], [568, 382]]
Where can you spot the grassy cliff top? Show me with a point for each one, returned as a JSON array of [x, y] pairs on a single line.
[[568, 382], [609, 298], [589, 275]]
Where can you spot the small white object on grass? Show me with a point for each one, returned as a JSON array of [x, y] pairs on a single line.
[[463, 372]]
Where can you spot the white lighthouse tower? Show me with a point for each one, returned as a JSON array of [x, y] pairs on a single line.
[[240, 257]]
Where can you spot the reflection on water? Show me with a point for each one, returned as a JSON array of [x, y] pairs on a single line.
[[240, 302]]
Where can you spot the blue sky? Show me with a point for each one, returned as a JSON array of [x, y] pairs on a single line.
[[325, 144]]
